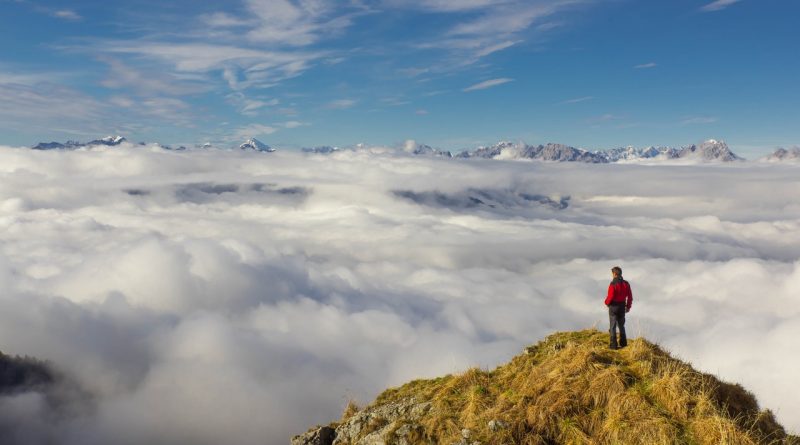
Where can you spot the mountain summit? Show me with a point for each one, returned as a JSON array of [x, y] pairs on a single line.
[[569, 388], [255, 144]]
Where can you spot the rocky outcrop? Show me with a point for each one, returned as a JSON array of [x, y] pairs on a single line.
[[321, 436]]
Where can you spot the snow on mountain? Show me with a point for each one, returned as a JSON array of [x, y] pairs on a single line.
[[710, 150], [412, 147], [256, 145], [632, 153], [548, 152], [72, 145], [782, 154], [108, 140]]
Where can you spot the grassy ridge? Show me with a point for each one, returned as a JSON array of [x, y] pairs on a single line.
[[571, 389]]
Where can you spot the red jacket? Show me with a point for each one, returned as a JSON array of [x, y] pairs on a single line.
[[619, 291]]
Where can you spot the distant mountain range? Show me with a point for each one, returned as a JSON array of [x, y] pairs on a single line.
[[709, 151], [108, 140]]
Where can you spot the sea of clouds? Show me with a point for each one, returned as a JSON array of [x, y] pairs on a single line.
[[209, 297]]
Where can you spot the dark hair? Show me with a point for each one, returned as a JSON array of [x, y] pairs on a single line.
[[617, 270]]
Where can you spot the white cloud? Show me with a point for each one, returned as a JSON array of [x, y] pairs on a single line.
[[253, 130], [495, 48], [446, 5], [172, 283], [487, 27], [122, 75], [506, 20], [297, 23], [718, 5], [67, 14], [248, 106], [223, 20], [646, 66], [294, 124], [241, 67], [577, 100], [607, 117], [488, 84], [341, 104], [31, 107], [699, 120]]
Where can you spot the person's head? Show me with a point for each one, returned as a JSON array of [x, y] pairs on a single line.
[[616, 271]]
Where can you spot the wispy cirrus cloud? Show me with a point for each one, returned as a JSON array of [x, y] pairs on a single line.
[[607, 117], [284, 22], [248, 106], [446, 5], [122, 75], [294, 124], [645, 66], [253, 130], [240, 67], [341, 104], [699, 120], [43, 104], [65, 14], [718, 5], [487, 27], [488, 84], [577, 100]]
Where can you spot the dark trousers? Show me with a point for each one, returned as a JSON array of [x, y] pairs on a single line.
[[616, 318]]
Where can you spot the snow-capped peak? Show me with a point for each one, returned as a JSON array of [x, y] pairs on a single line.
[[108, 140], [255, 144], [113, 140]]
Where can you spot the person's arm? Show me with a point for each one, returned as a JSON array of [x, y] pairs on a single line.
[[628, 298], [610, 294]]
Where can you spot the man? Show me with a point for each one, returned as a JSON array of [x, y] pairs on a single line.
[[618, 301]]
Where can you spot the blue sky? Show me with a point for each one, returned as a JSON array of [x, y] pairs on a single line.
[[452, 74]]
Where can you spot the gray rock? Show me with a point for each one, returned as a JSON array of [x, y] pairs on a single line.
[[377, 425], [497, 425], [321, 436]]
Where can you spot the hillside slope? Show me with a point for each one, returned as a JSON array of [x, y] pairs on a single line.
[[570, 388]]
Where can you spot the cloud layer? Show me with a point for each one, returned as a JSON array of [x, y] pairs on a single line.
[[228, 297]]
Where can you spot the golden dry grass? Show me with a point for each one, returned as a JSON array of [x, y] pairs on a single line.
[[570, 389]]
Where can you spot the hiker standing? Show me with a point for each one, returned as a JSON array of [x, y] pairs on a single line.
[[618, 301]]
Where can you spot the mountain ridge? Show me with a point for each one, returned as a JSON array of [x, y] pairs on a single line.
[[568, 388], [711, 150]]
